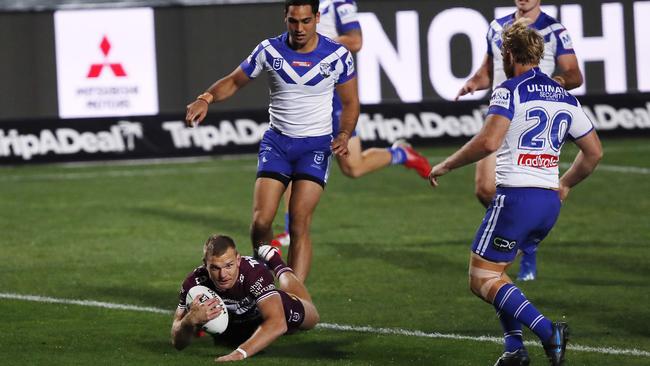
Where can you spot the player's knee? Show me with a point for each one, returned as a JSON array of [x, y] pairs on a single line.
[[350, 170], [485, 283], [261, 223]]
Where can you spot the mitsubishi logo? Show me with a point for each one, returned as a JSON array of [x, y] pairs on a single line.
[[96, 69]]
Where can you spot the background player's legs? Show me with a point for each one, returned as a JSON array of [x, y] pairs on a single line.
[[484, 179], [305, 195], [266, 198], [359, 163]]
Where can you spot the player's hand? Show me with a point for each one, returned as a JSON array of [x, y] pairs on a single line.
[[469, 87], [196, 112], [340, 144], [201, 313], [437, 171], [563, 192], [232, 356]]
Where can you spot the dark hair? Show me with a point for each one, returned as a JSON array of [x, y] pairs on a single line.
[[217, 245], [314, 4]]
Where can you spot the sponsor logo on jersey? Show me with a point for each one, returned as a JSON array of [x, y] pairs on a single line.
[[503, 245], [566, 40], [538, 160], [301, 63], [277, 63], [500, 97], [325, 70]]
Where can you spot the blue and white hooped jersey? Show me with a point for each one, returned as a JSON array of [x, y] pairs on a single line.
[[557, 42], [301, 84], [542, 114], [337, 17]]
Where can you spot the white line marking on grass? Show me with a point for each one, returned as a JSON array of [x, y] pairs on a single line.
[[329, 326]]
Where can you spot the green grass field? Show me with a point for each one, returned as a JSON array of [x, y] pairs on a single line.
[[390, 252]]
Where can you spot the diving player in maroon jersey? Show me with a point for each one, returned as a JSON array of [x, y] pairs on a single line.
[[258, 312]]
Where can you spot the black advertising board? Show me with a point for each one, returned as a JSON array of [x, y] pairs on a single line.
[[64, 140]]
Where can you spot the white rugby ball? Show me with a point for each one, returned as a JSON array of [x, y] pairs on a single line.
[[217, 325]]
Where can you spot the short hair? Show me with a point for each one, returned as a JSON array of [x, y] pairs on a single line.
[[217, 245], [524, 43], [314, 4]]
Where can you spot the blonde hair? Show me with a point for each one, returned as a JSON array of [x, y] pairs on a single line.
[[525, 44]]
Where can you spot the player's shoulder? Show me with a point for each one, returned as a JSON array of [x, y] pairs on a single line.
[[251, 267], [343, 2], [197, 276], [329, 45], [546, 24], [499, 23]]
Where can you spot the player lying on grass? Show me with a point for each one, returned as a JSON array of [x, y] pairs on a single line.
[[258, 312], [529, 118]]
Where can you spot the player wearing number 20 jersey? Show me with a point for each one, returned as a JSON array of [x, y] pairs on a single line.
[[543, 115]]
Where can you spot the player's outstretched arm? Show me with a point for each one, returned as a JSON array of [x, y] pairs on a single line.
[[487, 141], [349, 116], [222, 89], [569, 75], [480, 80], [584, 164], [186, 322], [273, 326]]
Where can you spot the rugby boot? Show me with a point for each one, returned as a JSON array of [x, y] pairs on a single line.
[[284, 239], [527, 267], [555, 347], [515, 358], [414, 160]]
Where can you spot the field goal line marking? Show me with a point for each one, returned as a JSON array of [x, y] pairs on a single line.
[[329, 326]]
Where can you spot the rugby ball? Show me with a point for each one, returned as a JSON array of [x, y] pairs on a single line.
[[217, 325]]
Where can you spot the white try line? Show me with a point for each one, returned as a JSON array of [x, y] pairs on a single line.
[[330, 326]]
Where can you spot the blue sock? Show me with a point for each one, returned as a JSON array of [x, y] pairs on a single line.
[[287, 221], [512, 334], [512, 302], [398, 155]]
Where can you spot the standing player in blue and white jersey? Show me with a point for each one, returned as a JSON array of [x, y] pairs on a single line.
[[338, 21], [304, 70], [558, 54], [529, 118]]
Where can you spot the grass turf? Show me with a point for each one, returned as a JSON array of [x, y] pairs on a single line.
[[388, 252]]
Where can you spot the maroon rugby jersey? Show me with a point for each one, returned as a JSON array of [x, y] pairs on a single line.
[[255, 283]]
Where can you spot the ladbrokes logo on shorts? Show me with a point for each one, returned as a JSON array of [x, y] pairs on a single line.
[[106, 63]]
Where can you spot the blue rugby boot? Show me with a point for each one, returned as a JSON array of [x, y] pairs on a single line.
[[555, 347], [515, 358], [528, 267]]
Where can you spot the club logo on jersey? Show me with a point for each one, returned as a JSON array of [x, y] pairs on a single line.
[[538, 160], [319, 157], [503, 245], [277, 63], [325, 70], [500, 97], [301, 63]]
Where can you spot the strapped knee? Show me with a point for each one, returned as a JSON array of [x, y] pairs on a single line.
[[486, 278]]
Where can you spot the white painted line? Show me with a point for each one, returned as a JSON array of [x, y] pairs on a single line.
[[330, 326]]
